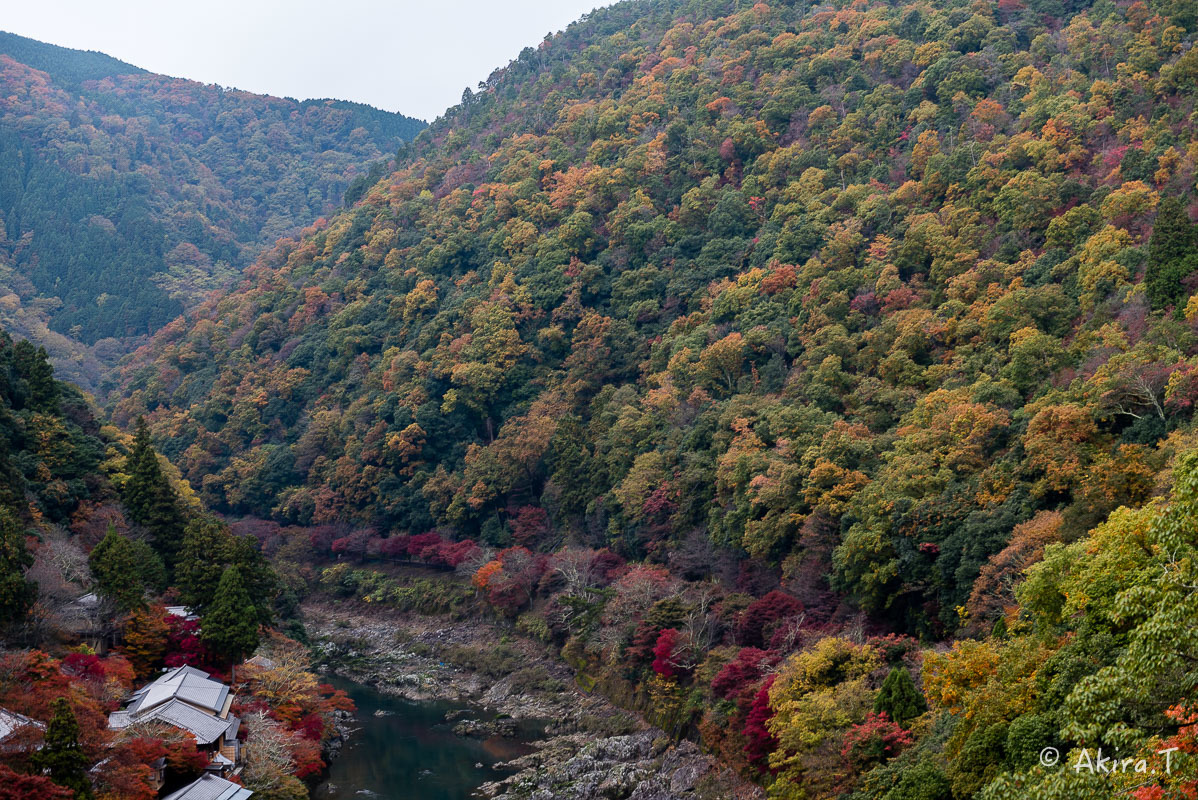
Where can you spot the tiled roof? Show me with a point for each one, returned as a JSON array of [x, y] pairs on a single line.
[[207, 728], [184, 697], [210, 787], [185, 683], [11, 721]]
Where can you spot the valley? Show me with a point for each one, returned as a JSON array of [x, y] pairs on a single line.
[[127, 197], [725, 399]]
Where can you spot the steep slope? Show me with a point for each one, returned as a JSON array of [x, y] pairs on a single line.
[[51, 446], [127, 196], [849, 290]]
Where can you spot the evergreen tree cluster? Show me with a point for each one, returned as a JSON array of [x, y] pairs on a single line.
[[150, 500], [1172, 255]]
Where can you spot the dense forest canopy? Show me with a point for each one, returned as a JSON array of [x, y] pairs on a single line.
[[817, 380], [127, 196], [65, 66], [852, 289]]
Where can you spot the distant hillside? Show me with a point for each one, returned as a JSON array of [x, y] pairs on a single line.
[[126, 196], [65, 66]]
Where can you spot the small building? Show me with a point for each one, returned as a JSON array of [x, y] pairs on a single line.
[[210, 787], [188, 699], [182, 612], [18, 732], [262, 662]]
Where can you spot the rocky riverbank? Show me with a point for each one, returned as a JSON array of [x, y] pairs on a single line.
[[590, 749]]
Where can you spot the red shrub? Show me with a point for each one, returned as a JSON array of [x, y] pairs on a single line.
[[530, 526], [355, 544], [742, 672], [184, 646], [453, 553], [321, 537], [311, 726], [760, 741], [607, 566], [83, 665], [417, 543], [395, 546], [873, 741], [664, 654], [306, 755], [15, 786], [184, 758], [763, 613]]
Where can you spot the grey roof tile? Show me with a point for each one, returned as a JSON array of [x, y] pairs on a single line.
[[210, 787], [207, 728]]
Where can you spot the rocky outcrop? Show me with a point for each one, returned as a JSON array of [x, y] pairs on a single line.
[[342, 730], [640, 766], [408, 656]]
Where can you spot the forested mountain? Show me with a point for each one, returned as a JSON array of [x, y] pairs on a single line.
[[863, 284], [862, 308], [126, 196]]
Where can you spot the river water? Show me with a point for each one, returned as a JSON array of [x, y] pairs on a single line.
[[407, 751]]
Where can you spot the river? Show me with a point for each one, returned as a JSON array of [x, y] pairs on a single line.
[[403, 750]]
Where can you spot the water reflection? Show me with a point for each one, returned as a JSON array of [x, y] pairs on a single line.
[[409, 752]]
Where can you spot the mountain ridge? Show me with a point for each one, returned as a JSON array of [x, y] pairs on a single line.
[[47, 57], [139, 193]]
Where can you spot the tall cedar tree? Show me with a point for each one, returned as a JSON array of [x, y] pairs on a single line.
[[899, 698], [115, 567], [12, 484], [230, 626], [16, 593], [33, 364], [62, 758], [208, 548], [151, 500], [1171, 256], [150, 568]]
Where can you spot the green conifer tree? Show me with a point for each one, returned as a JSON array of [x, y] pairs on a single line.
[[150, 499], [1171, 254], [150, 568], [257, 575], [230, 625], [16, 592], [12, 483], [115, 567], [572, 469], [202, 562], [208, 548], [62, 757], [33, 364], [899, 698]]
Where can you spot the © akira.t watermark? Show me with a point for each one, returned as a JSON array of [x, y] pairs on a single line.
[[1095, 762]]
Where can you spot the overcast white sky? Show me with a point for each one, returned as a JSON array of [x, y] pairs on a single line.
[[407, 56]]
